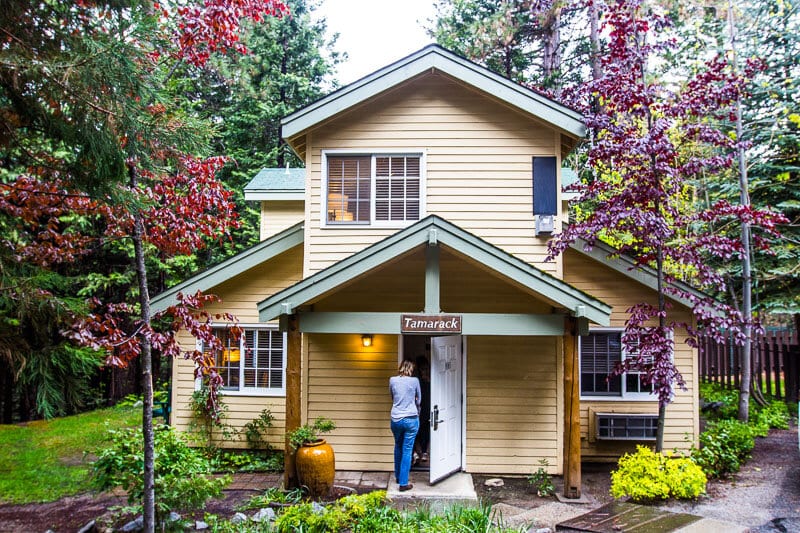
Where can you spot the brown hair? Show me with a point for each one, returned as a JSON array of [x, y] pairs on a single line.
[[406, 368]]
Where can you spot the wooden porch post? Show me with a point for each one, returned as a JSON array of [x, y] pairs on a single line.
[[572, 420], [293, 363]]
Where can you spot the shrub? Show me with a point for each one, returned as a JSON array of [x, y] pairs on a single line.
[[310, 432], [726, 399], [724, 446], [773, 416], [648, 476], [255, 431], [541, 481], [182, 480]]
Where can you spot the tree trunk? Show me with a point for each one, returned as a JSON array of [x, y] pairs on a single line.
[[148, 498], [551, 48], [747, 282], [594, 41]]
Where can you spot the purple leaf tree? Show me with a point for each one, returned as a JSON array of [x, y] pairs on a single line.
[[649, 141]]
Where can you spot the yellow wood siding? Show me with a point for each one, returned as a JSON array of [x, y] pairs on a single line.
[[621, 292], [400, 287], [276, 216], [350, 385], [512, 398], [477, 165], [239, 296]]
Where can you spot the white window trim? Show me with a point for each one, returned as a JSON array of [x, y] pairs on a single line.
[[250, 391], [372, 153], [625, 396]]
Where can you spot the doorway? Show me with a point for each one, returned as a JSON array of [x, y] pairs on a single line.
[[439, 443]]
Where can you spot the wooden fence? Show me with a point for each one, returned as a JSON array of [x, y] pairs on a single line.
[[775, 363]]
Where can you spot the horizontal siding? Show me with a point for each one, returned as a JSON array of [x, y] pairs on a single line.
[[478, 165], [621, 292], [512, 419], [239, 295], [277, 216], [350, 385]]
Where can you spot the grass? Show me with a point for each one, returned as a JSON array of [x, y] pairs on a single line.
[[45, 460]]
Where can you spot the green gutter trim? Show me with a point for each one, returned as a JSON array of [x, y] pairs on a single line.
[[245, 260]]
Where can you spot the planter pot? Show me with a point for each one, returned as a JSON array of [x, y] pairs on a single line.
[[316, 467]]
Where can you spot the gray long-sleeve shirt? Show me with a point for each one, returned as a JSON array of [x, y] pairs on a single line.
[[406, 396]]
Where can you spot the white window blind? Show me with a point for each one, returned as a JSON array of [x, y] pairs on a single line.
[[349, 181], [397, 188]]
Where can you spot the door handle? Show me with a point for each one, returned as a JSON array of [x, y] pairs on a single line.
[[435, 418]]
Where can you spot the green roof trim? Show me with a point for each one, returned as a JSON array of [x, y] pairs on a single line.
[[610, 257], [241, 262], [433, 229], [434, 57], [277, 184]]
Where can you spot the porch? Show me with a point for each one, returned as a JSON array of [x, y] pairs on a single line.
[[513, 401]]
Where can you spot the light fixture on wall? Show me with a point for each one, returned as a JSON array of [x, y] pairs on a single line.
[[366, 340]]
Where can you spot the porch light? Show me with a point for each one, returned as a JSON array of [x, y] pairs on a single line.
[[366, 340]]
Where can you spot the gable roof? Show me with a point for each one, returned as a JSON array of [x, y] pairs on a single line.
[[277, 184], [213, 276], [437, 230], [429, 58]]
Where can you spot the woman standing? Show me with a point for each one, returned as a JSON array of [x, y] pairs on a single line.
[[406, 398]]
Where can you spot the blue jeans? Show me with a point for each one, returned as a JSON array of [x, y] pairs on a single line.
[[404, 431]]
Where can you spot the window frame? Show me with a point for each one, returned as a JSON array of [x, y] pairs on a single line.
[[624, 395], [372, 154], [251, 391]]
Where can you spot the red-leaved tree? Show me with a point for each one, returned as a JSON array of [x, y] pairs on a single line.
[[649, 142], [104, 155]]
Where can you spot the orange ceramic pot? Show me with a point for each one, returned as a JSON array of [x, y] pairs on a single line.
[[316, 467]]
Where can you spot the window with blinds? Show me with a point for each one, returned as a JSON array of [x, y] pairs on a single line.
[[600, 351], [381, 189], [349, 180], [397, 188], [252, 363]]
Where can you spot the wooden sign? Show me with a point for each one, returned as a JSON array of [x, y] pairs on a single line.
[[430, 323]]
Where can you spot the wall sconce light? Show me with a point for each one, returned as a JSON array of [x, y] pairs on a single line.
[[366, 340]]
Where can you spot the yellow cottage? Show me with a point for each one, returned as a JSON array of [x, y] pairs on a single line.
[[418, 229]]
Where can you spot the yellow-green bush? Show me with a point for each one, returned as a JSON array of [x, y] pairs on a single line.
[[647, 476]]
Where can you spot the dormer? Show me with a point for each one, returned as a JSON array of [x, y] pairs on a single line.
[[281, 193]]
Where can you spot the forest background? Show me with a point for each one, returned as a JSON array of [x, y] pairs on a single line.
[[235, 103]]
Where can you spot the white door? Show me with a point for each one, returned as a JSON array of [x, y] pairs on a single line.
[[445, 456]]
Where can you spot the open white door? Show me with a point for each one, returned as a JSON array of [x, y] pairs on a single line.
[[446, 418]]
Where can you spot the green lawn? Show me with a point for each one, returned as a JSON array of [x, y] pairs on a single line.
[[44, 460]]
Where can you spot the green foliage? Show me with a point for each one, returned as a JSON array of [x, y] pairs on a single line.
[[774, 416], [224, 460], [650, 476], [346, 513], [728, 400], [272, 495], [724, 446], [310, 432], [49, 462], [541, 481], [208, 418], [182, 473], [255, 431]]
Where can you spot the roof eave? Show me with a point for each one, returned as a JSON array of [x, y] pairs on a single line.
[[233, 266], [338, 274]]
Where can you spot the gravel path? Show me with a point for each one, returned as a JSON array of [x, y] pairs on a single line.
[[764, 495]]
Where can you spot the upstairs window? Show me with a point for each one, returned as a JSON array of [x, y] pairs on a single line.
[[376, 189], [600, 351], [254, 363]]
